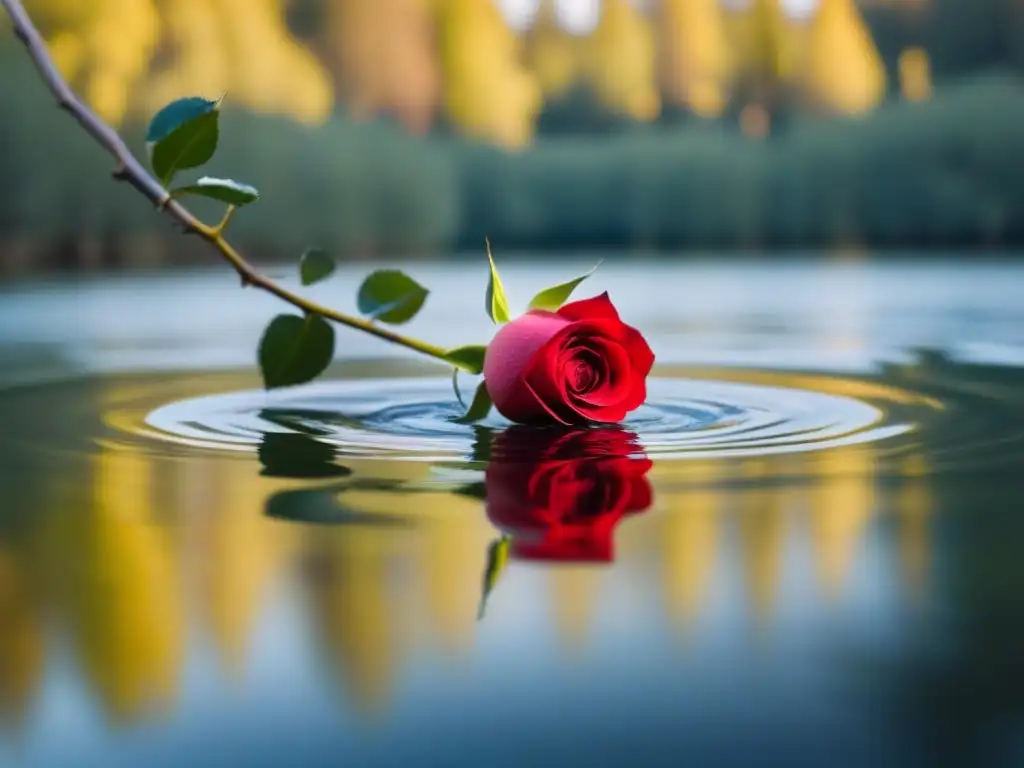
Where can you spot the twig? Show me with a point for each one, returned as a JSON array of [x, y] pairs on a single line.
[[131, 170]]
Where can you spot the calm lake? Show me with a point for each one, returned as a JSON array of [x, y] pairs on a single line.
[[807, 548]]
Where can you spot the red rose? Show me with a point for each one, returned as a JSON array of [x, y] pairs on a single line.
[[560, 495], [577, 365]]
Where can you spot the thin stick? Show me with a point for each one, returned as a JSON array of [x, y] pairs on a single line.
[[131, 170]]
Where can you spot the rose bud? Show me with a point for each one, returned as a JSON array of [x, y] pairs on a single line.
[[577, 365], [560, 496]]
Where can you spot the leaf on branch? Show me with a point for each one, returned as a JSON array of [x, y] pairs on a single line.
[[295, 350], [495, 302], [183, 135], [554, 297], [391, 296], [469, 358], [225, 190], [316, 265], [479, 408]]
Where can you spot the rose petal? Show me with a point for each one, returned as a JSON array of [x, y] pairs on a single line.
[[598, 307], [617, 380], [508, 355]]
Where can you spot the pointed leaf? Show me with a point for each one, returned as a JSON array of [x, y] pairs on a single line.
[[554, 297], [225, 190], [497, 558], [183, 135], [455, 386], [469, 358], [479, 408], [391, 296], [175, 114], [295, 350], [316, 265], [495, 302]]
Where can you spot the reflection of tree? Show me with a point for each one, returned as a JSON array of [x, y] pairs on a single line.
[[240, 552], [762, 517], [689, 541], [354, 610], [843, 502], [21, 641], [122, 588]]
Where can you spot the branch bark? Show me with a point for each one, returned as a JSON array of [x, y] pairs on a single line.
[[129, 169]]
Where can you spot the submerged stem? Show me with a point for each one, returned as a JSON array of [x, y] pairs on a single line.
[[129, 169]]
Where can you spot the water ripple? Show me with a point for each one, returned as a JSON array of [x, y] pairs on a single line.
[[412, 419]]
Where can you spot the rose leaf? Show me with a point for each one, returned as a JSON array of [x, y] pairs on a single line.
[[295, 350], [495, 302], [554, 297], [497, 558], [316, 265], [225, 190], [391, 296], [455, 386], [479, 408], [469, 358], [183, 135]]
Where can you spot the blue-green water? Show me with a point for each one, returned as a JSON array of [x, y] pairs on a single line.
[[806, 549]]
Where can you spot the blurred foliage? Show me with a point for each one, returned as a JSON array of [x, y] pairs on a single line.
[[418, 126]]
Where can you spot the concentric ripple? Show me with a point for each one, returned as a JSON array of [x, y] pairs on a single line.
[[412, 419]]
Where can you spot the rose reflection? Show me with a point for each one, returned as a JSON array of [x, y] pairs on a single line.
[[559, 495]]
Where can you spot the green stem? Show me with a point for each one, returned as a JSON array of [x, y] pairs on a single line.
[[129, 169], [252, 277]]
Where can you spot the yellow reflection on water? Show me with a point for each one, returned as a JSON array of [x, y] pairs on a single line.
[[123, 588], [689, 543], [354, 610], [762, 526], [843, 500], [144, 560], [21, 638], [236, 552], [913, 509]]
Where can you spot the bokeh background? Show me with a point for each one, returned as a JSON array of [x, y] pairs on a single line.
[[415, 128]]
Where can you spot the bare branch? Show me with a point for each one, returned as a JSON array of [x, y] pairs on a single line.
[[129, 169]]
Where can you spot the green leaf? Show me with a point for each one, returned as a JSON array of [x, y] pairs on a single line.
[[455, 386], [554, 297], [316, 265], [295, 350], [390, 296], [183, 135], [469, 358], [495, 302], [479, 408], [225, 190], [497, 558], [174, 114]]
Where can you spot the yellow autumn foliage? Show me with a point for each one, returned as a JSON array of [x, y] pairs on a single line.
[[488, 93], [553, 54], [621, 61], [694, 59], [381, 55], [844, 70], [108, 50]]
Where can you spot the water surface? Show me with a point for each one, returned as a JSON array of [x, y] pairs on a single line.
[[805, 549]]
